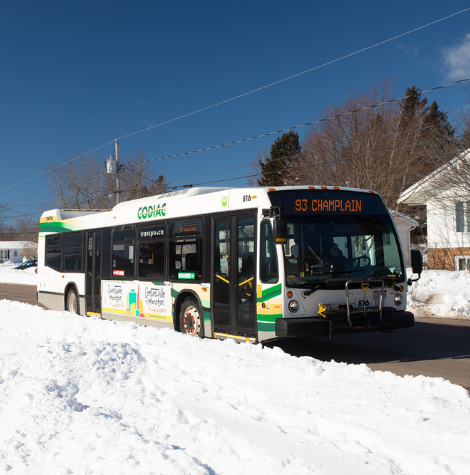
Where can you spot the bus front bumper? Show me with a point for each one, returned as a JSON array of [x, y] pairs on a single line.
[[318, 326]]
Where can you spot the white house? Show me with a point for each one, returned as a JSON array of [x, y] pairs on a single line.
[[14, 251], [448, 214]]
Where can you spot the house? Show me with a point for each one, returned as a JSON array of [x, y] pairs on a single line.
[[16, 251], [404, 225], [447, 199]]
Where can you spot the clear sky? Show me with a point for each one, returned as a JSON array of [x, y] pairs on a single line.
[[75, 75]]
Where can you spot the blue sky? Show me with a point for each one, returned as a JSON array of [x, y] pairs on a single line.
[[75, 75]]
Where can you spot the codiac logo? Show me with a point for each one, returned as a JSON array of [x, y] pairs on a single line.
[[151, 211]]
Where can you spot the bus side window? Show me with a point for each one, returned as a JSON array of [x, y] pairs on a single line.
[[54, 252], [152, 252], [268, 258], [73, 252], [185, 253], [123, 253]]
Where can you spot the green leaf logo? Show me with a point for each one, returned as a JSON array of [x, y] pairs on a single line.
[[224, 201]]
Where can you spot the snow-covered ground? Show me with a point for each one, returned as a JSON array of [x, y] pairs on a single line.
[[444, 294], [10, 276], [87, 396]]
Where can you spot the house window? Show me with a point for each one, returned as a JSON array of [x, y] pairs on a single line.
[[15, 253], [462, 217], [462, 263]]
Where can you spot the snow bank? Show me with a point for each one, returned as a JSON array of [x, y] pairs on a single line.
[[83, 395], [11, 276], [445, 294]]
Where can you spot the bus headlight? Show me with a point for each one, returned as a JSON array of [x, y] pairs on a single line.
[[398, 300], [293, 306]]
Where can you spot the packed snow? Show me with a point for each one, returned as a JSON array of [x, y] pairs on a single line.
[[8, 275], [84, 395], [444, 294]]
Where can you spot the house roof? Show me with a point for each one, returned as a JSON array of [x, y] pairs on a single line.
[[14, 245], [431, 185], [401, 218]]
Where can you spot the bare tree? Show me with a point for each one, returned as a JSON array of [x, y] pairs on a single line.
[[83, 183], [80, 182], [138, 178], [363, 147]]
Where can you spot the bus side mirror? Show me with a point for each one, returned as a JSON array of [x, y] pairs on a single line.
[[280, 230], [416, 263]]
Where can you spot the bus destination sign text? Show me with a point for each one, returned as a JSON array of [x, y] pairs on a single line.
[[328, 205]]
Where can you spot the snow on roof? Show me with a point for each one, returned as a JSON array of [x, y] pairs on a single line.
[[423, 190], [15, 244], [403, 218]]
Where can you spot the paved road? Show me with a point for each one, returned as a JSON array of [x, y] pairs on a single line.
[[433, 347], [20, 293], [438, 347]]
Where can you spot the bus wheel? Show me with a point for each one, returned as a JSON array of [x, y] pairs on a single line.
[[72, 303], [190, 317]]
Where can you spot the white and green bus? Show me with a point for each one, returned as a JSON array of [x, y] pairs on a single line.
[[253, 264]]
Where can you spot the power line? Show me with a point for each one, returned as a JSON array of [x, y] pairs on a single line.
[[296, 75], [344, 114], [247, 93], [312, 151], [322, 163]]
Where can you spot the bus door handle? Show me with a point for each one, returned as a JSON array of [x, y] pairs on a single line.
[[246, 281], [221, 278]]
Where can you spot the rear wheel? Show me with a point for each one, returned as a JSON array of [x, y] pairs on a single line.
[[191, 317], [72, 301]]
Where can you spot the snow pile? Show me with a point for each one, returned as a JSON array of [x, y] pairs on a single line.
[[83, 395], [12, 276], [442, 293]]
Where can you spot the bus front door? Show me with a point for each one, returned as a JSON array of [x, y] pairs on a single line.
[[234, 277], [93, 273]]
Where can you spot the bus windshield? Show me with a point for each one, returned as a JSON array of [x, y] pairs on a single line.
[[339, 246]]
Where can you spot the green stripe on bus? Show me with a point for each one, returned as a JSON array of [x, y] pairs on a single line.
[[265, 327], [57, 227], [270, 293], [207, 316], [269, 318]]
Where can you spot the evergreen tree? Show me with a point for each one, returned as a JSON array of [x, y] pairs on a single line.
[[283, 154], [437, 120], [412, 106], [415, 112]]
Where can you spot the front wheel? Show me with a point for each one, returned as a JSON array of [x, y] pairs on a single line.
[[72, 302], [190, 317]]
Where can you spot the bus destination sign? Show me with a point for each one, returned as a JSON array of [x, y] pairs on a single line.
[[327, 202]]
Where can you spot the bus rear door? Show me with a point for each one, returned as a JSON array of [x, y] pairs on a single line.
[[234, 277]]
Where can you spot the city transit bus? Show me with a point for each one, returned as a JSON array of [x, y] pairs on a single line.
[[252, 264]]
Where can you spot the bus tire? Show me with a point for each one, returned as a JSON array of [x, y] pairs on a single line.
[[190, 317], [72, 301]]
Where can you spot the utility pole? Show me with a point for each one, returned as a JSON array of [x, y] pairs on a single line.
[[118, 181]]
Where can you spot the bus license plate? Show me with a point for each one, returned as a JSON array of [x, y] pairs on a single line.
[[366, 303]]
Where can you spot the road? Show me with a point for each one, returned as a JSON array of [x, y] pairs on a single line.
[[435, 347]]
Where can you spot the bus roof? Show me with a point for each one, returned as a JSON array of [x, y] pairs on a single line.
[[61, 213]]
